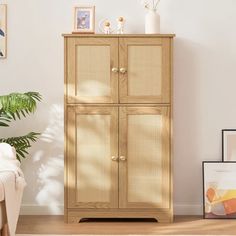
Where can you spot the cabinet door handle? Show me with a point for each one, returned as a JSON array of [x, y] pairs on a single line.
[[123, 70], [122, 158], [114, 70], [114, 158]]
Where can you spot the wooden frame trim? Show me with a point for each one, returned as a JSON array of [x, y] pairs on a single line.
[[121, 35], [65, 135], [171, 127]]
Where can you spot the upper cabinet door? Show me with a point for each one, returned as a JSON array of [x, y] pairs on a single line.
[[145, 70], [92, 70]]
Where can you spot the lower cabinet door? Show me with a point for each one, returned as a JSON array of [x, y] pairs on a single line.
[[144, 157], [91, 157]]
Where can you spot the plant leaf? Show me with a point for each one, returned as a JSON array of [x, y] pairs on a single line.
[[21, 143], [15, 105]]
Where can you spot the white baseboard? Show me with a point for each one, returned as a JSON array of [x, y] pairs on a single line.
[[31, 209], [180, 209]]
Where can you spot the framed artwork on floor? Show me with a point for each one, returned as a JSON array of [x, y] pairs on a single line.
[[3, 30], [219, 190], [229, 144], [84, 19]]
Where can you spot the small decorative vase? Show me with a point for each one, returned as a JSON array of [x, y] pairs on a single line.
[[152, 22]]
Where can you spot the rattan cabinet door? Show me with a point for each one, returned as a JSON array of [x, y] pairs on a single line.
[[92, 70], [144, 150], [92, 151], [145, 70]]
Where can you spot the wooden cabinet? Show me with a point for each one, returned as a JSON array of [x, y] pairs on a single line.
[[118, 127]]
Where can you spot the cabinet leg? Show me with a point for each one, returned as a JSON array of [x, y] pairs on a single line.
[[74, 219], [5, 230], [164, 220], [78, 220]]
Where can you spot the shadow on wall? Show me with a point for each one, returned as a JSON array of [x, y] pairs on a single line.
[[50, 160]]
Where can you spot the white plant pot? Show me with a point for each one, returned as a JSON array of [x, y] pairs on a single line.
[[152, 22]]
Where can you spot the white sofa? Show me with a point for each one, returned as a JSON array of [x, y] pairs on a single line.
[[12, 185], [3, 219]]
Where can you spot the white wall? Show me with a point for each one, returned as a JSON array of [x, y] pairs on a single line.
[[204, 77]]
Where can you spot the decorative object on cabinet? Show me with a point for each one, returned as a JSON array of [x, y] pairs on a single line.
[[152, 18], [120, 25], [229, 144], [219, 189], [84, 19], [105, 26], [118, 127], [3, 30]]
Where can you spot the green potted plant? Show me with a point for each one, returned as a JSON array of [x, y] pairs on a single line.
[[15, 106]]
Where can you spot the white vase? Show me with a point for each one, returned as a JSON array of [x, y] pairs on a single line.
[[152, 22]]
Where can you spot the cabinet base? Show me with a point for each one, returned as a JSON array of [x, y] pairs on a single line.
[[74, 216]]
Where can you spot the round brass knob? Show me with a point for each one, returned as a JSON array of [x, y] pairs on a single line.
[[122, 158], [114, 158], [114, 70], [123, 70]]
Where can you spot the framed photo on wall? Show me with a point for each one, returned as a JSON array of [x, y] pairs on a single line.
[[219, 190], [229, 144], [84, 19], [3, 30]]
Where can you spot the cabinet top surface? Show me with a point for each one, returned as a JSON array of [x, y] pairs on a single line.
[[77, 35]]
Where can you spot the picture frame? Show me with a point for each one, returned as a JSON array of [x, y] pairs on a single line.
[[219, 190], [84, 19], [3, 31], [229, 145]]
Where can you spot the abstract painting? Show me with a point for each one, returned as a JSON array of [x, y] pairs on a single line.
[[3, 30], [84, 19], [219, 189], [229, 144]]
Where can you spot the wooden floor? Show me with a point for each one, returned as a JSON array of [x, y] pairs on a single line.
[[186, 225]]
